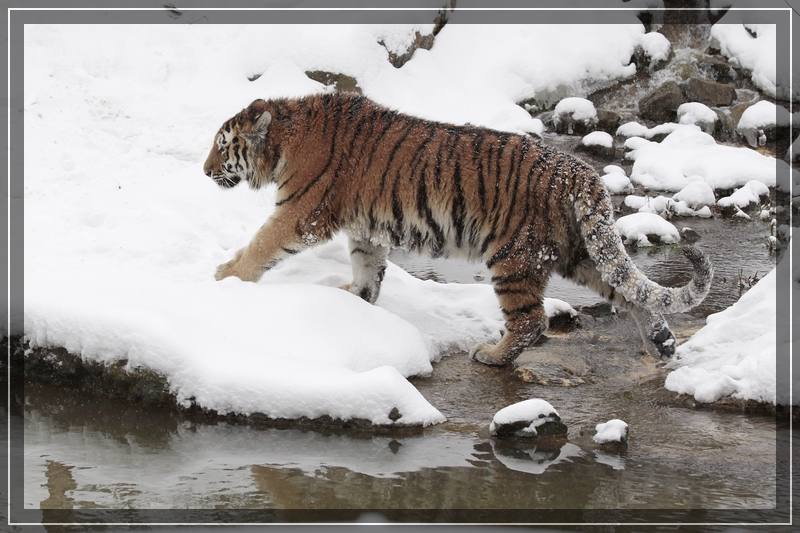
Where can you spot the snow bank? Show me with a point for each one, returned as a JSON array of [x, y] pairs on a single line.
[[735, 353], [687, 153], [636, 227], [634, 129]]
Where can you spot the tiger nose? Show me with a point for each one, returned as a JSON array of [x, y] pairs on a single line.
[[208, 172]]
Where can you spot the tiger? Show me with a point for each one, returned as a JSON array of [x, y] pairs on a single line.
[[343, 163]]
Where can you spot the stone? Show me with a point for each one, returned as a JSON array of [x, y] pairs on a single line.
[[608, 121], [662, 104], [708, 92], [529, 418], [341, 82]]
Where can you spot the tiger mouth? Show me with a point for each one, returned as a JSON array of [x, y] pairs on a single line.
[[226, 182]]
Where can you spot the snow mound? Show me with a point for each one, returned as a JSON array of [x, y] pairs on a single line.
[[750, 193], [574, 110], [617, 182], [734, 354], [598, 138], [636, 227], [696, 194], [758, 117], [615, 430], [687, 153], [698, 114], [634, 129]]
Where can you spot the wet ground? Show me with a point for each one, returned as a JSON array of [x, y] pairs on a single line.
[[84, 451]]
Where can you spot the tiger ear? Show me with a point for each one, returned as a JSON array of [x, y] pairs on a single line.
[[262, 124]]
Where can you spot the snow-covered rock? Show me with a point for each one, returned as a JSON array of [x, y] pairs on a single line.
[[760, 118], [699, 114], [636, 229], [751, 193], [571, 111], [528, 418], [613, 431]]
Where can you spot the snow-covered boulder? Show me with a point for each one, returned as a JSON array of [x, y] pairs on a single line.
[[760, 122], [751, 193], [598, 143], [528, 418], [698, 114], [641, 228], [574, 112], [615, 431]]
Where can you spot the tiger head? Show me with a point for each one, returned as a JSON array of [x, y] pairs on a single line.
[[238, 148]]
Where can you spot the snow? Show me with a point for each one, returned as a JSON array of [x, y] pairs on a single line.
[[687, 153], [734, 354], [634, 129], [615, 430], [617, 183], [656, 46], [665, 207], [698, 114], [750, 193], [598, 138], [535, 410], [572, 110], [759, 116], [696, 194], [754, 54], [636, 227]]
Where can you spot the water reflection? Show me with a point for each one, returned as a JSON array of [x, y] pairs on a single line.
[[94, 453]]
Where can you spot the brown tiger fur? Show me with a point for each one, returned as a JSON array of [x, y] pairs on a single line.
[[343, 163]]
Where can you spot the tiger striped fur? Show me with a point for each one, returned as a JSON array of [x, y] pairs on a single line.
[[343, 163]]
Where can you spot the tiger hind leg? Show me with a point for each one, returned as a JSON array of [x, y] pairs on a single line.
[[658, 339], [521, 296], [369, 266]]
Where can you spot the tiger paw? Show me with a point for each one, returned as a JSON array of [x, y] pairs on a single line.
[[487, 354], [236, 268], [664, 342]]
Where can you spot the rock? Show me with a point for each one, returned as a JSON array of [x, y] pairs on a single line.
[[708, 92], [716, 68], [689, 235], [608, 121], [529, 418], [599, 144], [662, 104], [341, 82]]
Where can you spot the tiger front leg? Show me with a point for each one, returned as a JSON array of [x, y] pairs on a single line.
[[369, 266], [521, 300], [276, 240]]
